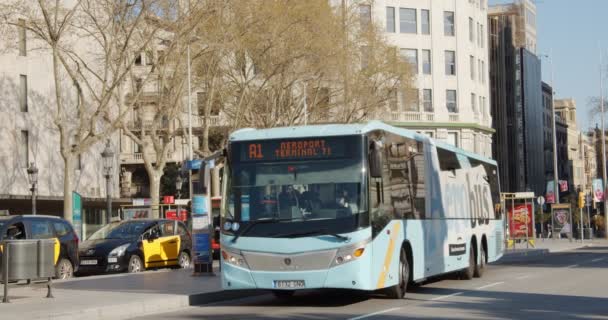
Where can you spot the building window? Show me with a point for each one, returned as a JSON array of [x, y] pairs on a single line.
[[471, 30], [393, 103], [481, 36], [450, 98], [448, 23], [411, 57], [472, 65], [453, 138], [138, 61], [483, 72], [425, 24], [365, 56], [479, 69], [365, 15], [411, 101], [23, 93], [427, 100], [24, 148], [390, 19], [481, 105], [407, 20], [426, 62], [478, 35], [474, 102], [450, 63], [22, 38]]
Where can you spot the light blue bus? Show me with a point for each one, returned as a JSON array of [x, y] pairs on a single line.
[[354, 206]]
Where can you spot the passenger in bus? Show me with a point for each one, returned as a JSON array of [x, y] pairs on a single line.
[[289, 198], [311, 199], [347, 202]]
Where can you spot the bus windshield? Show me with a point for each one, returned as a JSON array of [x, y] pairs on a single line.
[[330, 190]]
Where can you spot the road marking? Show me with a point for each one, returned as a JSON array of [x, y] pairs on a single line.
[[446, 296], [374, 314], [523, 277], [597, 260], [489, 285], [572, 266]]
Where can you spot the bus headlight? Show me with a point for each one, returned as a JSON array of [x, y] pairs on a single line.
[[350, 253], [234, 258]]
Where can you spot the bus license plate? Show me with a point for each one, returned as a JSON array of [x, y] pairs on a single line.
[[88, 262], [289, 284]]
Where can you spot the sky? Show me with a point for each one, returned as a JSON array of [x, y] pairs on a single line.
[[574, 31]]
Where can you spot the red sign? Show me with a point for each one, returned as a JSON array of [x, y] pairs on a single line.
[[172, 215], [168, 200], [520, 220]]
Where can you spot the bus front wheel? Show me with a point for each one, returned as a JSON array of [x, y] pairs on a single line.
[[398, 291]]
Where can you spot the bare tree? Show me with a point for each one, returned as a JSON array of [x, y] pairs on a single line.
[[280, 62], [158, 87], [90, 42]]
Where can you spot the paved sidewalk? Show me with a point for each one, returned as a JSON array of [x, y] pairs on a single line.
[[116, 297], [546, 246]]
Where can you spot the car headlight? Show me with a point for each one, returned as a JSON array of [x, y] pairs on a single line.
[[119, 251], [350, 253], [234, 257]]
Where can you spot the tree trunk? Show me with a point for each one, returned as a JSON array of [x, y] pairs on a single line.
[[155, 192], [68, 168]]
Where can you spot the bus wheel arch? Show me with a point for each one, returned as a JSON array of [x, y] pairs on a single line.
[[409, 254], [404, 276]]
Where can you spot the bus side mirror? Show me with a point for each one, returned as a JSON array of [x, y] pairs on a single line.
[[375, 160]]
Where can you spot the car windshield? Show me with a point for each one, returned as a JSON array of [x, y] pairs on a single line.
[[120, 230]]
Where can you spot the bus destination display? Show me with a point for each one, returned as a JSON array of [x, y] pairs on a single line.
[[300, 149]]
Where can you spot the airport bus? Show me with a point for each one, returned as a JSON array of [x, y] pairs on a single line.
[[354, 206]]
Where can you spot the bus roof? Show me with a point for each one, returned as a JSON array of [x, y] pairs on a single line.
[[325, 130]]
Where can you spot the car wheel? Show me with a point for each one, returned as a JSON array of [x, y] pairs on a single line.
[[135, 264], [467, 274], [480, 268], [398, 291], [184, 260], [64, 269]]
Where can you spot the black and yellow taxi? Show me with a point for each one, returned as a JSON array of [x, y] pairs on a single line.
[[136, 245], [19, 227]]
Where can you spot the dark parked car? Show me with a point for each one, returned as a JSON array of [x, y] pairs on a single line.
[[46, 227], [135, 245]]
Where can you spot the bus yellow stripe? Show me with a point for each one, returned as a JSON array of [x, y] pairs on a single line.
[[388, 256]]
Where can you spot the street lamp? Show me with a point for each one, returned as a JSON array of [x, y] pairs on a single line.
[[555, 169], [108, 159], [178, 185], [32, 173]]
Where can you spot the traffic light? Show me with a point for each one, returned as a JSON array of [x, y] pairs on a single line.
[[581, 200]]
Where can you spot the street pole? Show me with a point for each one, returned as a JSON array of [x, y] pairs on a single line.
[[189, 107], [603, 147], [555, 170], [34, 199], [108, 198]]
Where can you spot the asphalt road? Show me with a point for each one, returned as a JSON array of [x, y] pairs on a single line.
[[567, 285]]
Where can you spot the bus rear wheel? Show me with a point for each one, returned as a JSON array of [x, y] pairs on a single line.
[[469, 272], [481, 267], [398, 291]]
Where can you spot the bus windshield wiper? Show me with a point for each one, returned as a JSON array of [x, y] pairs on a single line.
[[256, 222], [322, 232]]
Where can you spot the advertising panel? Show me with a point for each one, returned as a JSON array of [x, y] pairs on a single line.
[[598, 192], [77, 213], [561, 219], [550, 196], [200, 229], [520, 221]]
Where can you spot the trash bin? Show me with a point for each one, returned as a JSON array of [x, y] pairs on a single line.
[[588, 233]]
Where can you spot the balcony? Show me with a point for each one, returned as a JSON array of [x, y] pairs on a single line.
[[454, 117], [139, 125], [408, 116], [138, 157]]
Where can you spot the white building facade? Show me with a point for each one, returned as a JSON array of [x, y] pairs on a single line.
[[28, 135], [446, 41]]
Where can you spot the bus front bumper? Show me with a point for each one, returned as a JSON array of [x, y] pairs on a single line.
[[352, 275]]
